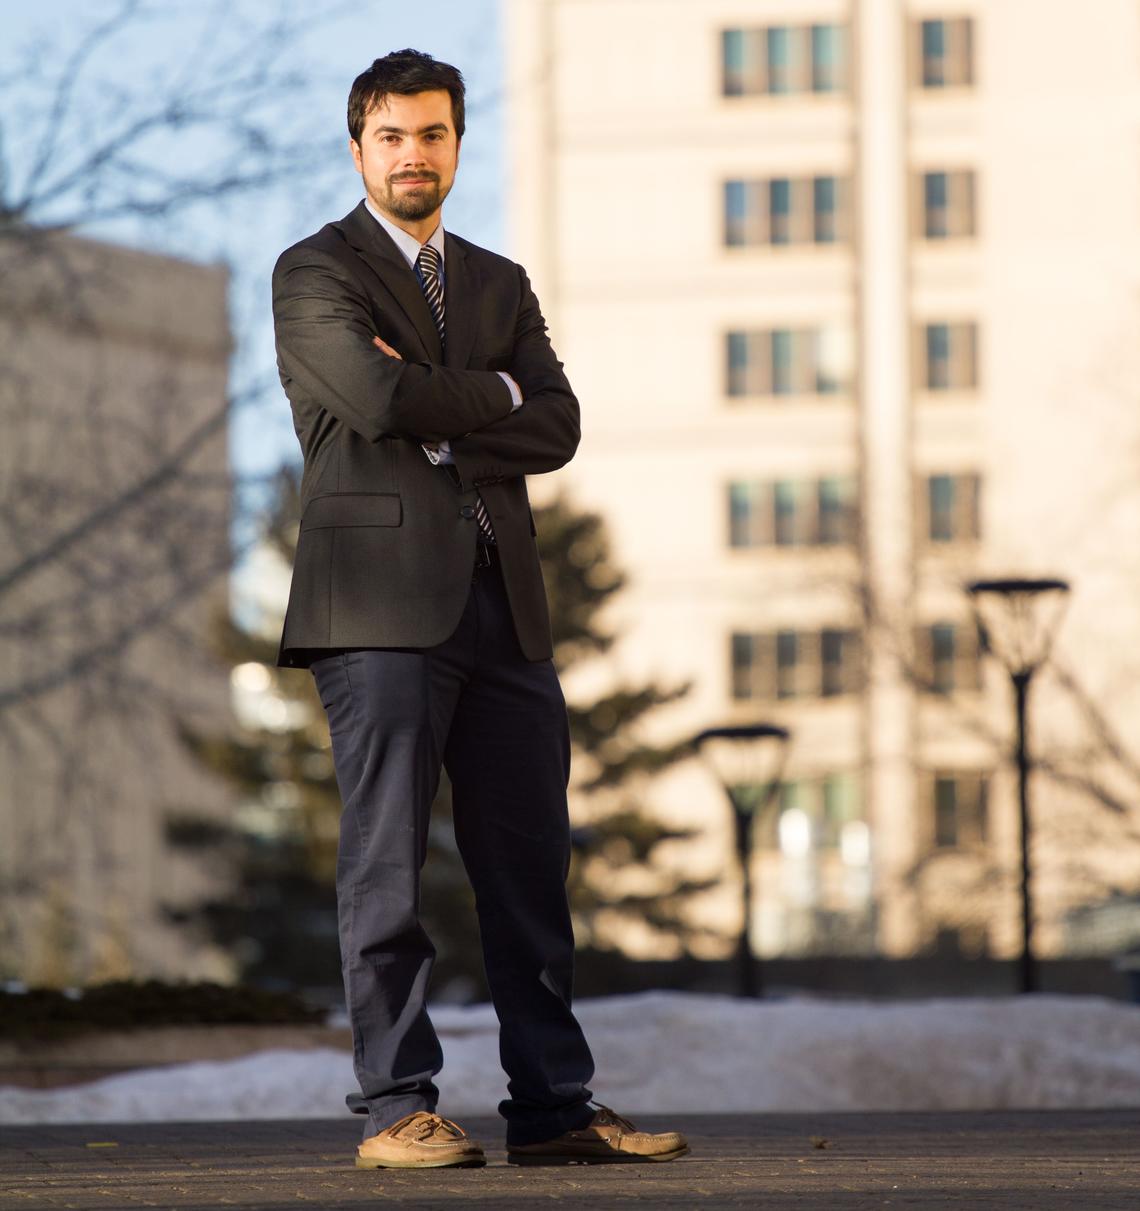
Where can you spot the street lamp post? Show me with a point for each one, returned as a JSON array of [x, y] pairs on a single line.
[[1018, 619], [748, 761]]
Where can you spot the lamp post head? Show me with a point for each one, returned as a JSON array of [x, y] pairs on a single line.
[[747, 759], [1018, 618], [746, 731]]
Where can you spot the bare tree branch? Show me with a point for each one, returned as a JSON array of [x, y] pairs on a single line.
[[160, 475], [65, 90]]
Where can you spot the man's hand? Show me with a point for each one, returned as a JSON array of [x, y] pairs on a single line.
[[387, 349], [384, 347]]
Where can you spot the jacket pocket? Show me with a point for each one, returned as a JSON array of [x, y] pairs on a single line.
[[352, 509]]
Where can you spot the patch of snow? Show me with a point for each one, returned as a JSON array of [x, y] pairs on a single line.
[[664, 1052]]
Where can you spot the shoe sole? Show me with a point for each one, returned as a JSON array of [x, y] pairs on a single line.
[[466, 1162], [613, 1158]]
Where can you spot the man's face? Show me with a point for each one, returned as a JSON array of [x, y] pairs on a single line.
[[407, 154]]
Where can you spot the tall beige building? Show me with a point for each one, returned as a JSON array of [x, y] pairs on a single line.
[[848, 291], [114, 559]]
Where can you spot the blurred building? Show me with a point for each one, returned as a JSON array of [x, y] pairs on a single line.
[[114, 556], [848, 291]]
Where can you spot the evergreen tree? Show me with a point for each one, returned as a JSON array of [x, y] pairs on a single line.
[[612, 766], [279, 920]]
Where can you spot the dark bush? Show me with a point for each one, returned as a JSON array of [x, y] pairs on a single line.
[[125, 1005]]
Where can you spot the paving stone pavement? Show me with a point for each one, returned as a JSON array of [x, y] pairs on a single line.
[[1029, 1160]]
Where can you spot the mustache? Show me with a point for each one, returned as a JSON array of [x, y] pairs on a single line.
[[414, 176]]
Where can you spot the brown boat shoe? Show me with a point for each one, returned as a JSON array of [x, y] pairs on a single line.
[[420, 1141], [607, 1138]]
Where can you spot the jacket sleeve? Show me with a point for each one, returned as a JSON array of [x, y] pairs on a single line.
[[540, 436], [324, 329]]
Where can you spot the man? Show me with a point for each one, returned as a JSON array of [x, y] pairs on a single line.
[[424, 389]]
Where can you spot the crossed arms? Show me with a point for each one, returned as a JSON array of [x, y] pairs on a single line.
[[327, 346]]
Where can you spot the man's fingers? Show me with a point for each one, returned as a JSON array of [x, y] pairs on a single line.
[[384, 347]]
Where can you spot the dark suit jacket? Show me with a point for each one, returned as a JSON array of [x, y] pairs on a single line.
[[387, 539]]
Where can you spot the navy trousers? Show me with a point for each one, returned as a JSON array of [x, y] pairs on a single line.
[[497, 722]]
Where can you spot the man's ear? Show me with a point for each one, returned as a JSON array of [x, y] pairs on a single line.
[[354, 151], [458, 145]]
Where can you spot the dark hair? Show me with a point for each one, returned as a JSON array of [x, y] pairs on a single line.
[[403, 72]]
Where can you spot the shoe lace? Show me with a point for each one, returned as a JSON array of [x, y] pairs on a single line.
[[610, 1118], [426, 1124]]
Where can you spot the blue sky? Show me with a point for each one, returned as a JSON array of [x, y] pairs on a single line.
[[37, 38]]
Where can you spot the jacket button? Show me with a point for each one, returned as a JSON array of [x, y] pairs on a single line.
[[467, 511]]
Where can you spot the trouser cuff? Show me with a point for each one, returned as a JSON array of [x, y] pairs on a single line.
[[381, 1115], [550, 1125]]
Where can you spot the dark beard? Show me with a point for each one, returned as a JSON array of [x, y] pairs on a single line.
[[414, 205]]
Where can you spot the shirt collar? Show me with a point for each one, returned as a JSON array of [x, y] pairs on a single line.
[[408, 245]]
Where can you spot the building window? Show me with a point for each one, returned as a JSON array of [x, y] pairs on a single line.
[[827, 58], [941, 492], [780, 211], [953, 508], [947, 201], [745, 213], [957, 807], [784, 360], [823, 813], [796, 664], [949, 658], [824, 209], [841, 807], [788, 361], [946, 57], [792, 512], [945, 812], [840, 662], [747, 365], [835, 512], [785, 210], [783, 60], [749, 517], [950, 357], [780, 65], [752, 666], [942, 657], [834, 356], [787, 664], [795, 829], [743, 58], [935, 193]]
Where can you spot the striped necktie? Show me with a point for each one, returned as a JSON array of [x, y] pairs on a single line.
[[429, 269], [429, 266]]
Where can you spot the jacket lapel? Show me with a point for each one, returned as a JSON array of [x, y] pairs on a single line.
[[461, 292], [376, 248]]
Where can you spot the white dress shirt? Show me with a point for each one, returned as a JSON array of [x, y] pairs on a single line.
[[409, 248]]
